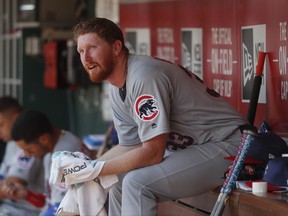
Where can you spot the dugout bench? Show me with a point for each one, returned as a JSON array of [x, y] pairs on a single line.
[[240, 203]]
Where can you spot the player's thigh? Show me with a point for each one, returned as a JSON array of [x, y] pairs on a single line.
[[184, 173]]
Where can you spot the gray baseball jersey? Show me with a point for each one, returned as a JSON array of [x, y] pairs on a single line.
[[166, 98], [67, 142], [30, 169]]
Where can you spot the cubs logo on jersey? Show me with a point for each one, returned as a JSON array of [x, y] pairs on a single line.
[[145, 107], [24, 162]]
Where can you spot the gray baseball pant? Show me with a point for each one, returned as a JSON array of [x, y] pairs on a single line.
[[184, 173]]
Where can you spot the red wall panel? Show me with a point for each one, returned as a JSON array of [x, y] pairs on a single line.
[[221, 39]]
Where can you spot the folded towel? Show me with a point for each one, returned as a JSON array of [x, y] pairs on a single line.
[[86, 193]]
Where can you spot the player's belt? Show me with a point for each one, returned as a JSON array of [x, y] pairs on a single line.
[[247, 127]]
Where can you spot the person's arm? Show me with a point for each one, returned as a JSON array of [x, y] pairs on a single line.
[[116, 151], [16, 179], [12, 189], [16, 191], [5, 189], [124, 159]]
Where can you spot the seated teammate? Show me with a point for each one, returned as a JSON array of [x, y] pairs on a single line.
[[17, 169], [34, 133]]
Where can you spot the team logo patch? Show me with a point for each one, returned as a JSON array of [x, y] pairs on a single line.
[[24, 162], [145, 107]]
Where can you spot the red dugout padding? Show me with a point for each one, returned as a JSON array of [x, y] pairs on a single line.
[[219, 41]]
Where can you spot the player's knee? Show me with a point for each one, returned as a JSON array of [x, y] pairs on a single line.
[[132, 181]]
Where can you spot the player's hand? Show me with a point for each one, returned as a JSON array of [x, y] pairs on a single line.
[[2, 189], [13, 190]]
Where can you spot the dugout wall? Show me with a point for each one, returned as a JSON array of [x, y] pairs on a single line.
[[219, 41]]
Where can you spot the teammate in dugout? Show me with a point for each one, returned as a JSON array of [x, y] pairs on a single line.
[[34, 133], [173, 131], [16, 168]]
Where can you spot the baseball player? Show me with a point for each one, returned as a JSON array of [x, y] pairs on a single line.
[[174, 131], [34, 133], [16, 168]]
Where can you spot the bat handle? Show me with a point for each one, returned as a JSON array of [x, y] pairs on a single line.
[[256, 88], [220, 204], [260, 63]]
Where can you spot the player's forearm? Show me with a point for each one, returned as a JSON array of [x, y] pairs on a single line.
[[116, 151], [149, 153], [134, 159], [7, 187], [16, 180], [2, 195]]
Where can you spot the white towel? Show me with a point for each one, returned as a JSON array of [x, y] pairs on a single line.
[[86, 193]]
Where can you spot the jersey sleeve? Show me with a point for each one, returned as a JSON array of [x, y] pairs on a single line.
[[145, 113], [23, 167], [125, 126], [151, 103]]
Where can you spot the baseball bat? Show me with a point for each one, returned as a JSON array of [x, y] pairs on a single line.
[[256, 88], [247, 139]]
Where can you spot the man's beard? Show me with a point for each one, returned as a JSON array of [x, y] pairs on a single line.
[[101, 75]]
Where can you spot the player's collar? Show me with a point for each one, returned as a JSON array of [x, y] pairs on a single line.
[[122, 92]]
